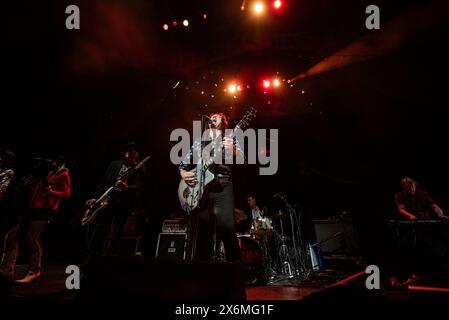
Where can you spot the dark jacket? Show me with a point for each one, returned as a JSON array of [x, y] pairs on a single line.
[[125, 198]]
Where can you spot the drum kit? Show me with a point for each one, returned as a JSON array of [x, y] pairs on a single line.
[[273, 250]]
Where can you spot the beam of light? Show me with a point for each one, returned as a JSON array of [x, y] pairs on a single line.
[[232, 88], [418, 21], [185, 23], [276, 83]]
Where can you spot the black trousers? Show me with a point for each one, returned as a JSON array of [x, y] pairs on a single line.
[[104, 232], [219, 220]]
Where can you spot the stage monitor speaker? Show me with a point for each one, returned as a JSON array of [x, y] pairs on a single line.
[[152, 279], [336, 237]]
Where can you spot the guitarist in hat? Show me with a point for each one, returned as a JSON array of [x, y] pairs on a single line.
[[109, 223], [220, 195]]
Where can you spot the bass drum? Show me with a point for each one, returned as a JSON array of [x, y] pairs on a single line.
[[252, 259]]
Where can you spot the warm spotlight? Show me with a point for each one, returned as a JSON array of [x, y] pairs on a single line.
[[232, 88], [165, 27], [185, 23], [259, 7], [276, 82]]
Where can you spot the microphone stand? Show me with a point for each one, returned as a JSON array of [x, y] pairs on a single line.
[[298, 245]]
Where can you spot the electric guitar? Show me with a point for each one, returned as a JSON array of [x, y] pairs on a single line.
[[103, 201], [191, 197]]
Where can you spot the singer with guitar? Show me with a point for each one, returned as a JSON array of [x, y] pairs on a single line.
[[219, 197], [127, 177]]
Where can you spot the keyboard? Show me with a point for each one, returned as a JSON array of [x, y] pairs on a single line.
[[418, 222]]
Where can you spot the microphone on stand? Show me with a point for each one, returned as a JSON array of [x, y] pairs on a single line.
[[208, 118]]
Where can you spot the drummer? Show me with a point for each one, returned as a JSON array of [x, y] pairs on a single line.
[[256, 212]]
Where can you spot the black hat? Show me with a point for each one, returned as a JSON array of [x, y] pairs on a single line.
[[131, 146]]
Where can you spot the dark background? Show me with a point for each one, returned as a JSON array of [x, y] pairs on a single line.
[[344, 143]]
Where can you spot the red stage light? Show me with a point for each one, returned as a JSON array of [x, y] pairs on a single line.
[[277, 4], [266, 83], [175, 23]]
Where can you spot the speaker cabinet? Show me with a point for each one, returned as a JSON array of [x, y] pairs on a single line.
[[171, 246]]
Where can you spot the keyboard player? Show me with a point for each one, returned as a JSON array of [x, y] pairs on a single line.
[[417, 245], [416, 204]]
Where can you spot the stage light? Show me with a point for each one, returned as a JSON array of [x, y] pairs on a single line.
[[276, 83], [234, 88], [185, 23], [175, 23], [258, 7], [243, 6], [165, 27], [266, 83], [277, 4]]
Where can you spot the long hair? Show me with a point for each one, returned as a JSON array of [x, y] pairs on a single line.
[[223, 117]]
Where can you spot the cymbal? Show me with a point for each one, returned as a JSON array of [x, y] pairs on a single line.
[[279, 215], [239, 215]]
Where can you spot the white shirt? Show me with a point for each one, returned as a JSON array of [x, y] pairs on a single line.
[[257, 213]]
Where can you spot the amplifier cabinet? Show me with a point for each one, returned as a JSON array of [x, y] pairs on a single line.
[[171, 246]]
